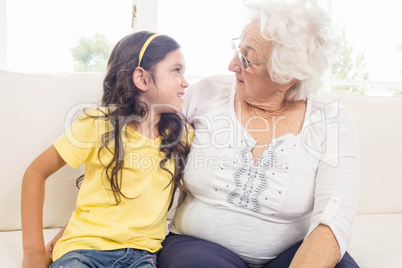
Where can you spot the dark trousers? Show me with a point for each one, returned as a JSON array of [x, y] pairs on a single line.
[[182, 251]]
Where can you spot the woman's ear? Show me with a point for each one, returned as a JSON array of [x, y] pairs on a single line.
[[287, 86], [139, 79], [291, 83]]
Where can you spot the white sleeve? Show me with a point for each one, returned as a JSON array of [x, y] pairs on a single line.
[[198, 95], [338, 176], [190, 102]]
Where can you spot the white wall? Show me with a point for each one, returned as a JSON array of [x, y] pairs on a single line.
[[3, 34]]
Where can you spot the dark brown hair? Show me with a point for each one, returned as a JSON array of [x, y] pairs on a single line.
[[121, 96]]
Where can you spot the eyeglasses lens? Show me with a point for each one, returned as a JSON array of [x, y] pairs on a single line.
[[243, 61], [235, 48]]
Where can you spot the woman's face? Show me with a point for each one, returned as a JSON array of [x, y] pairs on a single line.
[[254, 84]]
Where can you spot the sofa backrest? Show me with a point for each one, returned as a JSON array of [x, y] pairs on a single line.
[[379, 126], [35, 110]]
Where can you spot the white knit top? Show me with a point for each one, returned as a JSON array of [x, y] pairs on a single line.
[[260, 210]]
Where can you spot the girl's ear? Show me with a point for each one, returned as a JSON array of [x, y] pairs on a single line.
[[139, 79]]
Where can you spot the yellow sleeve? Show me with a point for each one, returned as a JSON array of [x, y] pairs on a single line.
[[188, 133], [81, 140]]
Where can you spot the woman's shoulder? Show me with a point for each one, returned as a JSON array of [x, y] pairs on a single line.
[[212, 86], [328, 107], [206, 94]]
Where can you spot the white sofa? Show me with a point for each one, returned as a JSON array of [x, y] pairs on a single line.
[[35, 110]]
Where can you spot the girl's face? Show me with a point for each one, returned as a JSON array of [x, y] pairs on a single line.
[[167, 96]]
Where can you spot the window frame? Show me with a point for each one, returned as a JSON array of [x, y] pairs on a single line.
[[146, 16]]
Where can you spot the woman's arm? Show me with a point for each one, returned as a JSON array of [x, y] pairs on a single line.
[[319, 249], [336, 193], [32, 199]]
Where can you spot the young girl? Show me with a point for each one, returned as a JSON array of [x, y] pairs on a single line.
[[134, 147]]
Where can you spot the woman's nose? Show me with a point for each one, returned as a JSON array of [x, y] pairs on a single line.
[[234, 64]]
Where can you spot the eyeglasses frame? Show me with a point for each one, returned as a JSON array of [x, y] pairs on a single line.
[[244, 62]]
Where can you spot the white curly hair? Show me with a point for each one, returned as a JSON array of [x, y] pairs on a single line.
[[302, 42]]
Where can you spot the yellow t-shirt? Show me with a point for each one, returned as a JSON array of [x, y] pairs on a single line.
[[98, 223]]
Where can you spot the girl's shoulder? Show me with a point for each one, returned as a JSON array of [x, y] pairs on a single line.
[[98, 112], [188, 133], [92, 120]]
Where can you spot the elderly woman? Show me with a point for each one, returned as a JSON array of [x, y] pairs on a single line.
[[273, 173]]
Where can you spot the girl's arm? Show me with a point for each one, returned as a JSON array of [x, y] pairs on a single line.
[[32, 199]]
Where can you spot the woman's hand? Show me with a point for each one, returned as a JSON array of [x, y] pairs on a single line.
[[52, 243]]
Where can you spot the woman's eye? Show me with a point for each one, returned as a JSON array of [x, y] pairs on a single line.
[[177, 70]]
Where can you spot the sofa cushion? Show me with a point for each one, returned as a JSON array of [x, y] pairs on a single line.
[[35, 110], [377, 241], [11, 246]]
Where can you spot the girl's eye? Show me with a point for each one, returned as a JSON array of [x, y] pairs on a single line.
[[177, 70]]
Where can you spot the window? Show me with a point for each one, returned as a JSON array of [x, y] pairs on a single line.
[[370, 58], [41, 34], [204, 29]]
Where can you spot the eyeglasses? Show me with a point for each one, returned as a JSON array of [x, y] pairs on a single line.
[[244, 63]]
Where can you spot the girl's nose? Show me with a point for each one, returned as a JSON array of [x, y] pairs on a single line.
[[184, 82]]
